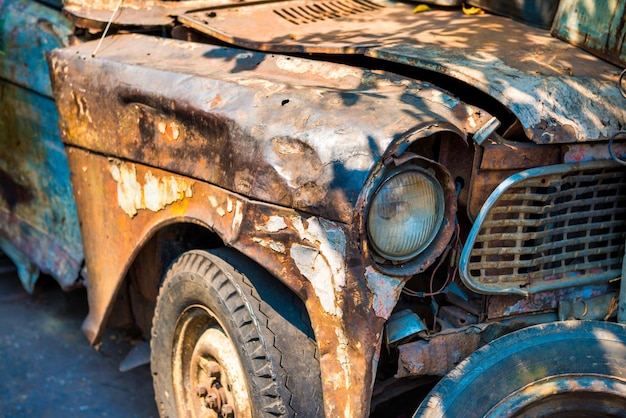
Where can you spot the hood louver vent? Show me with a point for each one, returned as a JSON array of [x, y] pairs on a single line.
[[325, 10]]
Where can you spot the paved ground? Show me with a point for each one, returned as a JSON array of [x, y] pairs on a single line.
[[47, 367]]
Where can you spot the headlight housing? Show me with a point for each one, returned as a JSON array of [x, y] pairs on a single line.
[[405, 214]]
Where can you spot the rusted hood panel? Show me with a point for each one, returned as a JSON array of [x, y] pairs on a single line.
[[558, 92], [308, 139]]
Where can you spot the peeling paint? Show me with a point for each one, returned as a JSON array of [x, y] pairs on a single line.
[[276, 246], [322, 266], [220, 210], [274, 224], [299, 66], [171, 131], [316, 269], [238, 217], [154, 194], [386, 290], [331, 243], [344, 359], [577, 153]]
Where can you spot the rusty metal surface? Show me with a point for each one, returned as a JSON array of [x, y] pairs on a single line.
[[218, 129], [558, 92], [282, 240], [200, 110], [37, 212], [502, 306], [558, 368], [498, 159], [549, 228], [440, 353], [95, 14], [577, 153], [595, 26]]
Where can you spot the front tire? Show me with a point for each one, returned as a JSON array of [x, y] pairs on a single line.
[[220, 349], [574, 368]]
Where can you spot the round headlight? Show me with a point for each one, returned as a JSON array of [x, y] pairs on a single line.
[[405, 214]]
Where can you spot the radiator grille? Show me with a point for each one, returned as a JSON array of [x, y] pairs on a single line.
[[311, 12], [548, 229]]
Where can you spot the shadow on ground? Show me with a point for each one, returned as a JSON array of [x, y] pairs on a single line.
[[48, 368]]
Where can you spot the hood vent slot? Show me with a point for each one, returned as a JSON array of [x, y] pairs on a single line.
[[324, 10]]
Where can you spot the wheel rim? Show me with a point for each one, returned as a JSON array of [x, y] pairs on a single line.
[[581, 395], [208, 379]]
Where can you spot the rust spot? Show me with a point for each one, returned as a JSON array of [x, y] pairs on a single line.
[[216, 101], [170, 130]]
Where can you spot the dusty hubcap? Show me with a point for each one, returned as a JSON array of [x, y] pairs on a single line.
[[210, 384], [208, 378]]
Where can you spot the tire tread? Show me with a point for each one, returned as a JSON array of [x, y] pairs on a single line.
[[252, 316]]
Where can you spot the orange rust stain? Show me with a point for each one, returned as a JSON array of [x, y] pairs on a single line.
[[179, 208]]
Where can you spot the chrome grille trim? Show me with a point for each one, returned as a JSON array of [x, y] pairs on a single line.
[[549, 228]]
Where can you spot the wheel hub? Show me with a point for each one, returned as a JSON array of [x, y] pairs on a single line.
[[209, 389]]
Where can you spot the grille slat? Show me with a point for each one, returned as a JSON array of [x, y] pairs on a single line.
[[518, 263], [551, 227], [548, 233], [520, 250], [540, 210]]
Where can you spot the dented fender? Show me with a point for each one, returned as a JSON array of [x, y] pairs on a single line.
[[306, 252], [276, 164]]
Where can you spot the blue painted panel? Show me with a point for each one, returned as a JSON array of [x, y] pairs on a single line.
[[597, 26], [27, 30], [37, 209]]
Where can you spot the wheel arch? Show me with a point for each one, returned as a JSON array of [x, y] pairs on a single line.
[[134, 301], [138, 288]]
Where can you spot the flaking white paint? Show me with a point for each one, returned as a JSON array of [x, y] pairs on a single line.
[[276, 246], [386, 290], [238, 216], [315, 268], [155, 193], [322, 263], [273, 224]]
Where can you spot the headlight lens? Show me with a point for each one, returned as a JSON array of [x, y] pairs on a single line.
[[405, 214]]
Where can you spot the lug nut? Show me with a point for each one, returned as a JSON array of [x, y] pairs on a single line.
[[201, 391], [227, 411], [211, 400]]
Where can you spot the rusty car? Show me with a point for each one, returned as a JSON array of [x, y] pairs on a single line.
[[327, 208]]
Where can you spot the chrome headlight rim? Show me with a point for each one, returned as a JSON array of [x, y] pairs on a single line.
[[440, 211]]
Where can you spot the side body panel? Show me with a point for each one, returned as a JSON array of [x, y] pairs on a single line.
[[595, 26], [38, 221]]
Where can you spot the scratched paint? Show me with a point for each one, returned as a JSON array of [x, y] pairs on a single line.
[[153, 193], [238, 215]]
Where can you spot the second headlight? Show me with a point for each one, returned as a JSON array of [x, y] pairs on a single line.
[[405, 214]]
